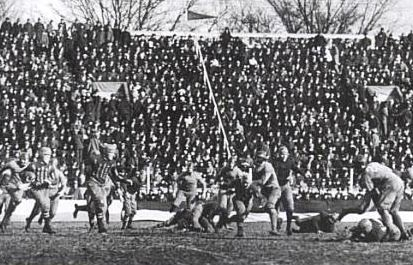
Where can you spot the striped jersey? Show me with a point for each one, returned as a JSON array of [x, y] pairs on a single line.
[[101, 169], [42, 170]]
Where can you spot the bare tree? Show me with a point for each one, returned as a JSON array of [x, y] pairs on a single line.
[[219, 18], [208, 23], [6, 8], [190, 4], [133, 14], [372, 12], [330, 16], [251, 19]]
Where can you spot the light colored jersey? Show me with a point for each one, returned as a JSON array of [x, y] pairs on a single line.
[[265, 174], [380, 176], [188, 181]]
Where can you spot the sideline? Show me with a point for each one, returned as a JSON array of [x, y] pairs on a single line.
[[66, 208]]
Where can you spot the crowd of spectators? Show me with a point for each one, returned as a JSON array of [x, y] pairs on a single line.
[[308, 94]]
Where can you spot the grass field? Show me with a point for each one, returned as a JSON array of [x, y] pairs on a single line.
[[74, 245]]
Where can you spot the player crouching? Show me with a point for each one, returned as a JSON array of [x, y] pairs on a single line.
[[370, 230], [385, 191], [243, 201]]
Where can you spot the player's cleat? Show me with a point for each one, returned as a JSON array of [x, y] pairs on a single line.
[[197, 229], [91, 227], [275, 233], [405, 237], [101, 227], [289, 232], [123, 225], [410, 232], [2, 228], [76, 211], [27, 227], [130, 225], [240, 232], [48, 229], [102, 230], [279, 223]]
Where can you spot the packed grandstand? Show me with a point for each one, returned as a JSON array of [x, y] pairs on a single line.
[[312, 95]]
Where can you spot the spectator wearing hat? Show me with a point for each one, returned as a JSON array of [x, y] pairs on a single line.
[[6, 26]]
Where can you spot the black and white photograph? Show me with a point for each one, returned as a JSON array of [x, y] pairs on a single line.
[[166, 132]]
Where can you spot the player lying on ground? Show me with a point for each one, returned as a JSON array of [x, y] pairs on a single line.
[[199, 218], [322, 222], [370, 230], [385, 190]]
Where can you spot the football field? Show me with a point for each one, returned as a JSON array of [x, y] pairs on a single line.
[[73, 244]]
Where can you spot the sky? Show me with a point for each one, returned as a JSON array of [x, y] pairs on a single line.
[[398, 20]]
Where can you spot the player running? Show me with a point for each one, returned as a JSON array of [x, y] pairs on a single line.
[[58, 182], [284, 166], [103, 172], [14, 182], [44, 188], [385, 190], [90, 208], [129, 194]]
